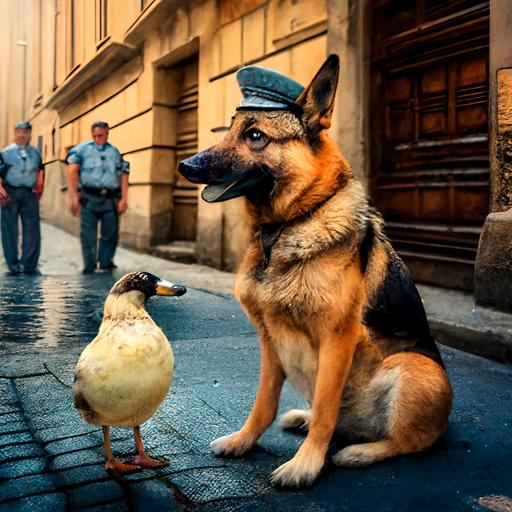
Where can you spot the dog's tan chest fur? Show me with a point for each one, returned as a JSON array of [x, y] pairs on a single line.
[[299, 360], [294, 302], [301, 291]]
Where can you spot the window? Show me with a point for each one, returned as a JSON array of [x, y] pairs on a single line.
[[53, 142], [71, 35], [101, 20]]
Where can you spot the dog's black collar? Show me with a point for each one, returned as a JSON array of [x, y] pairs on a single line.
[[270, 232], [269, 235]]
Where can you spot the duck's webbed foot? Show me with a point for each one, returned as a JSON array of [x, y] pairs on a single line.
[[113, 465], [143, 460], [146, 462], [120, 468]]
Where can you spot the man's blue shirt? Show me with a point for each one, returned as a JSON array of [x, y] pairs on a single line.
[[100, 166], [24, 163]]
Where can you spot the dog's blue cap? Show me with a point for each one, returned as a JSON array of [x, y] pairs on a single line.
[[23, 125], [266, 89]]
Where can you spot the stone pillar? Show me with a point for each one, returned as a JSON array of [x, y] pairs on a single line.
[[348, 36], [493, 270]]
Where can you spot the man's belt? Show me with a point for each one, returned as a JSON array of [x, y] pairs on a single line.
[[107, 193], [7, 186]]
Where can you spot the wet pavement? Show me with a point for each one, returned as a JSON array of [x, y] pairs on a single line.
[[50, 459]]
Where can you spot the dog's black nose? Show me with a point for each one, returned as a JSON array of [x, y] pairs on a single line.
[[190, 168]]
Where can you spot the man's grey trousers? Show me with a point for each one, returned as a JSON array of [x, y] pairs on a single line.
[[93, 211], [22, 203]]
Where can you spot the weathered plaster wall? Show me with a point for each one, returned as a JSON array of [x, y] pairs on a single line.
[[294, 43], [348, 36]]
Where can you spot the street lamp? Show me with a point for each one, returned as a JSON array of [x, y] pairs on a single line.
[[24, 45]]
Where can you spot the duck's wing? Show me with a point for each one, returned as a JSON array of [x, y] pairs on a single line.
[[81, 403], [87, 360]]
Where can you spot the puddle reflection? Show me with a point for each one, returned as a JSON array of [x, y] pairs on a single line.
[[49, 311]]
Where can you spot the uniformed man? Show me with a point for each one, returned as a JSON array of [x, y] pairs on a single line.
[[98, 186], [21, 185]]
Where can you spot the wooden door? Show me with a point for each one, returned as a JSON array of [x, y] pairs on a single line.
[[184, 218], [429, 151]]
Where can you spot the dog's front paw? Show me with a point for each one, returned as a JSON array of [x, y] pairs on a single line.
[[295, 418], [300, 471], [234, 445]]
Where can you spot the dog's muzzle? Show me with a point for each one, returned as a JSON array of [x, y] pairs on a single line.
[[223, 185]]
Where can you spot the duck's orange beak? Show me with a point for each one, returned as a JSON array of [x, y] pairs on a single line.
[[164, 287]]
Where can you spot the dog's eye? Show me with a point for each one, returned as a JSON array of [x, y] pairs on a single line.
[[256, 138]]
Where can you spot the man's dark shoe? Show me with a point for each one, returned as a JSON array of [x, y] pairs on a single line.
[[110, 267], [14, 271], [87, 271], [32, 272]]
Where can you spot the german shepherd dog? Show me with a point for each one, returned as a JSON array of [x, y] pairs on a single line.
[[336, 310]]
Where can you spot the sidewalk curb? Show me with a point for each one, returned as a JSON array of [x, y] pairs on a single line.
[[489, 343], [456, 321]]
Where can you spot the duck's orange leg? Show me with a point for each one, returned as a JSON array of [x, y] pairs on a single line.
[[113, 465], [143, 460]]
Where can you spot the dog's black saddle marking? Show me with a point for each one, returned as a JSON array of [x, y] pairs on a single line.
[[365, 247], [397, 312], [270, 232]]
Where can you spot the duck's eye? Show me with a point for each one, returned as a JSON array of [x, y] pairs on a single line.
[[256, 139]]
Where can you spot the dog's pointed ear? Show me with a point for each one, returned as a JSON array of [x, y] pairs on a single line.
[[317, 99]]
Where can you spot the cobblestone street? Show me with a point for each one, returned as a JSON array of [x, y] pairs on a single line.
[[50, 459]]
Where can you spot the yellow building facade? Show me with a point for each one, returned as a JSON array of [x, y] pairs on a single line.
[[417, 110], [162, 74]]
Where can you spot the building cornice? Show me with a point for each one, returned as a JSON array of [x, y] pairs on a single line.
[[109, 57], [187, 49], [151, 17]]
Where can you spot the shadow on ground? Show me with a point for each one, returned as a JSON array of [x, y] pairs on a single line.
[[51, 460]]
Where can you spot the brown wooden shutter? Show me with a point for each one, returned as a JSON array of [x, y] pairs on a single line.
[[430, 162], [185, 193]]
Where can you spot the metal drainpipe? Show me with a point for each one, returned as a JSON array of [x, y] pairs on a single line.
[[55, 17]]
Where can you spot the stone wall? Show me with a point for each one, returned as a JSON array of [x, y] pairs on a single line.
[[493, 270]]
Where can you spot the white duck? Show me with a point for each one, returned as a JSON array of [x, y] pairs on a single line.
[[125, 373]]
